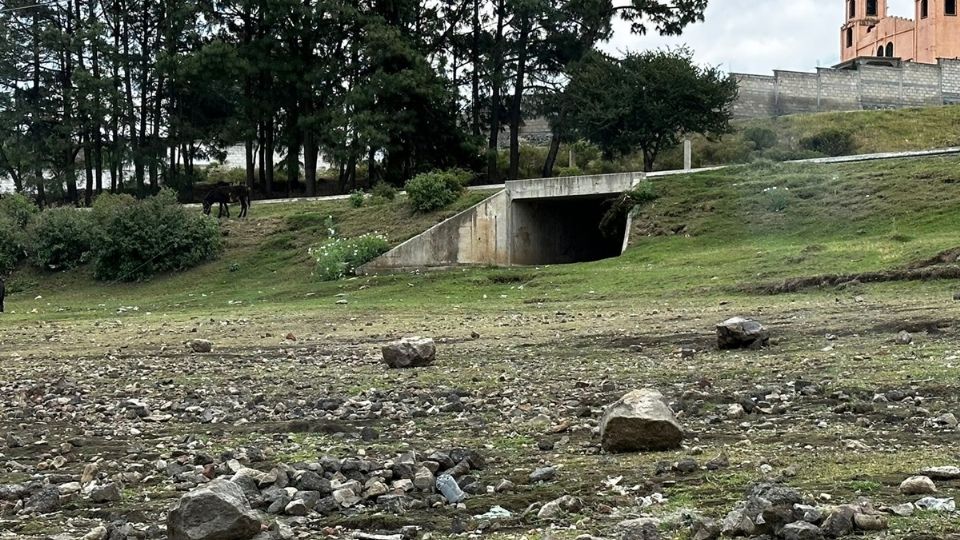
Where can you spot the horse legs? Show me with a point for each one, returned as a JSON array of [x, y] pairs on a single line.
[[243, 208]]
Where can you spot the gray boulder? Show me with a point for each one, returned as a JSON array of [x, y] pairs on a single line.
[[410, 352], [801, 530], [640, 421], [740, 333], [217, 511], [200, 345]]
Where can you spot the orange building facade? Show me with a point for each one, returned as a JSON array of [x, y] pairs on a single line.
[[934, 32]]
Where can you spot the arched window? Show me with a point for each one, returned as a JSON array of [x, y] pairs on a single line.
[[950, 7], [880, 50], [852, 4], [890, 50], [871, 8], [924, 9]]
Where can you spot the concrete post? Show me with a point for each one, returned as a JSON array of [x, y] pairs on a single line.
[[687, 154]]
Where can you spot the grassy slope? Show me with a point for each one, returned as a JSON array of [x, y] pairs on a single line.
[[822, 219], [873, 131]]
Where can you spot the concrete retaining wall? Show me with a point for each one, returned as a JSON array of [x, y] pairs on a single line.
[[867, 87], [477, 236]]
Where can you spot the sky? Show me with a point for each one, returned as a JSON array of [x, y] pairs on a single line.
[[758, 36]]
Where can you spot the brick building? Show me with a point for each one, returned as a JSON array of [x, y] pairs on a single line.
[[932, 34]]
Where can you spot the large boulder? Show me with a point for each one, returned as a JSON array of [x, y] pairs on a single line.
[[410, 352], [640, 421], [740, 333], [217, 511]]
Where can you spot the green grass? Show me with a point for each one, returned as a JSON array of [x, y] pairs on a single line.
[[873, 132], [834, 219]]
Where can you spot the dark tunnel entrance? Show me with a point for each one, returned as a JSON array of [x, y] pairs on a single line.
[[561, 231]]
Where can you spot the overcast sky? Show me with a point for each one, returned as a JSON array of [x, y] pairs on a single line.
[[758, 36]]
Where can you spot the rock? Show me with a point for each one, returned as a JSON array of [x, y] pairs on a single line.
[[704, 529], [44, 501], [942, 473], [346, 497], [947, 420], [90, 472], [409, 352], [505, 486], [639, 529], [543, 474], [556, 508], [640, 421], [904, 338], [424, 480], [104, 493], [737, 523], [901, 510], [200, 345], [98, 533], [801, 530], [918, 485], [297, 507], [839, 522], [740, 333], [311, 481], [217, 511], [735, 411], [686, 466], [867, 522]]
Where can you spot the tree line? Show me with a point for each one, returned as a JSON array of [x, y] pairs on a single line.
[[127, 95]]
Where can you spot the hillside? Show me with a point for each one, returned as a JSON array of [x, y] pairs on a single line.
[[872, 132]]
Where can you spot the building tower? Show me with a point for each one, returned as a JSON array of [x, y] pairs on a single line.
[[938, 30], [861, 18]]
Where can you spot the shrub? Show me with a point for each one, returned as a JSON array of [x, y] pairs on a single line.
[[11, 245], [831, 142], [435, 190], [384, 191], [340, 257], [152, 236], [761, 137], [107, 203], [18, 208], [569, 171], [776, 199], [61, 238], [357, 198]]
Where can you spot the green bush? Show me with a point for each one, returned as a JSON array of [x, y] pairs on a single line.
[[384, 191], [340, 257], [831, 142], [18, 208], [152, 236], [61, 238], [435, 190], [761, 137], [231, 175], [569, 171], [357, 198], [11, 245], [106, 204]]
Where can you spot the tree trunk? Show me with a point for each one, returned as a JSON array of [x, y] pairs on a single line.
[[249, 162], [496, 83], [268, 154], [475, 79], [516, 107], [551, 161], [310, 151]]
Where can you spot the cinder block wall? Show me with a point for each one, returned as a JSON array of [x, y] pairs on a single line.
[[869, 87]]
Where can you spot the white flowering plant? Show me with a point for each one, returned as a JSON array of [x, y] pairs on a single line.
[[340, 257]]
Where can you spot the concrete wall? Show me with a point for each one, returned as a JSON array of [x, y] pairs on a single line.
[[573, 186], [864, 88], [477, 236]]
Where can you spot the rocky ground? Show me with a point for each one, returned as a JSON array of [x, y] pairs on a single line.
[[107, 423]]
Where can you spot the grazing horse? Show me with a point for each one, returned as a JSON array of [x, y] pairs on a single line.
[[223, 194]]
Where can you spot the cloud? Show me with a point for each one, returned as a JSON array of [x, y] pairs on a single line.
[[758, 36]]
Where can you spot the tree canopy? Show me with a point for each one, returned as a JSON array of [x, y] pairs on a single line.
[[647, 101], [127, 95]]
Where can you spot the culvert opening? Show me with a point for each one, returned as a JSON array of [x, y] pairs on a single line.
[[562, 231]]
